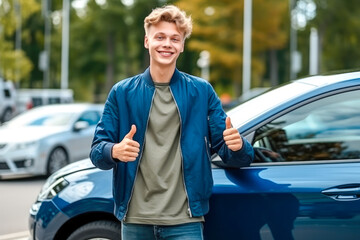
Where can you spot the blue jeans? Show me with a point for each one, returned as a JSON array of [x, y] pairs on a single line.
[[187, 231]]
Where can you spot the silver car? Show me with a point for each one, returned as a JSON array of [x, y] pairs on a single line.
[[44, 139]]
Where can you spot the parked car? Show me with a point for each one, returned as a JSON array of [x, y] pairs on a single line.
[[29, 98], [7, 100], [303, 184], [228, 105], [44, 139], [23, 103]]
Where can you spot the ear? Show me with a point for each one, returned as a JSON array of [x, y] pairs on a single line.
[[146, 42], [183, 46]]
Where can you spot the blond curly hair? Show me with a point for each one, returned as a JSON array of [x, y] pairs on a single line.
[[170, 13]]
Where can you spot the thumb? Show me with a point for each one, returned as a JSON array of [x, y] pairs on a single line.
[[132, 132], [228, 123]]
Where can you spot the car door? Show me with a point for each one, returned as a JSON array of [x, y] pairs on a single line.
[[305, 181], [80, 142]]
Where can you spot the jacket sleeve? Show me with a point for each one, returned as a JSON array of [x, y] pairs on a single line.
[[106, 135], [241, 158]]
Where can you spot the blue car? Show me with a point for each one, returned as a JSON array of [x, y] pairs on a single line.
[[303, 184]]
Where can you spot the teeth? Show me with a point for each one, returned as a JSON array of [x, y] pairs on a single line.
[[165, 53]]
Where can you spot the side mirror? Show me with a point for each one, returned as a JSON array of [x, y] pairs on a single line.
[[80, 125]]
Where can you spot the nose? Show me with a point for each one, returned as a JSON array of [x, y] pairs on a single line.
[[167, 42]]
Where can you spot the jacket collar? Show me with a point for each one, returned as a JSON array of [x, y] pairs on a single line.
[[147, 77]]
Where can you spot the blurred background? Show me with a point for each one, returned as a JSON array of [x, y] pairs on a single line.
[[63, 51], [83, 47]]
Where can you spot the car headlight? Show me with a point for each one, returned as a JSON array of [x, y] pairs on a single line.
[[25, 145], [51, 189]]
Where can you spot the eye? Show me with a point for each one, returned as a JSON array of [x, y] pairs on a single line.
[[175, 39], [159, 37]]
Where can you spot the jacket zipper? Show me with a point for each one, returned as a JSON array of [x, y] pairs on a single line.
[[182, 158], [142, 150]]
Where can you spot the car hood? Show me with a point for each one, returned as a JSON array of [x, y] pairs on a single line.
[[77, 166], [73, 167], [27, 134]]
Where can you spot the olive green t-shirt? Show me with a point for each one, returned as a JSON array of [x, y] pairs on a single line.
[[159, 196]]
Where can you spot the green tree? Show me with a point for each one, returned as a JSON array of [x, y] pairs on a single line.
[[14, 63], [107, 45], [218, 28], [338, 24], [96, 39]]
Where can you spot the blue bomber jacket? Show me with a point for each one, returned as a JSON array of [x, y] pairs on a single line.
[[202, 122]]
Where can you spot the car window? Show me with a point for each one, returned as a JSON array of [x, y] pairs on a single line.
[[41, 117], [37, 101], [54, 100], [266, 101], [92, 117], [7, 93], [57, 119], [326, 129]]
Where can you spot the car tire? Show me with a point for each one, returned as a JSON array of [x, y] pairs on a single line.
[[7, 115], [58, 158], [102, 229]]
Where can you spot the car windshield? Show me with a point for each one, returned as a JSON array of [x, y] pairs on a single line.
[[41, 118], [256, 106]]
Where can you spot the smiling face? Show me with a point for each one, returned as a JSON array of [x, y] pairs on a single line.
[[165, 43]]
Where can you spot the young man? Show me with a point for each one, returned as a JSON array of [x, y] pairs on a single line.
[[157, 133]]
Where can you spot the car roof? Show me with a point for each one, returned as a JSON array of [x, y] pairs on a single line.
[[323, 80], [70, 107], [66, 108], [289, 92]]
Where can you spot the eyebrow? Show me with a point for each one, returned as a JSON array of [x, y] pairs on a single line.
[[173, 35]]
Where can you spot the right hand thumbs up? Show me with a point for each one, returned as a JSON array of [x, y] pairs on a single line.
[[228, 123], [128, 149]]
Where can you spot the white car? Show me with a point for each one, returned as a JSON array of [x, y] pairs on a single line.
[[44, 139], [7, 100]]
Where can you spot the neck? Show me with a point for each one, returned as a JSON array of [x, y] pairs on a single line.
[[161, 74]]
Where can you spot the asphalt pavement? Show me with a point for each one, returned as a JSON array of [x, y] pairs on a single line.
[[17, 196], [15, 236]]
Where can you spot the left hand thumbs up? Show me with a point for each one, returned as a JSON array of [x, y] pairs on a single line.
[[232, 136]]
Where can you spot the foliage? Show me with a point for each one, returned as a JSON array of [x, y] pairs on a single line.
[[14, 64], [338, 24], [218, 28], [107, 45], [107, 37], [95, 41]]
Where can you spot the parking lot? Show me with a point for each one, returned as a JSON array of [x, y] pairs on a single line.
[[17, 196]]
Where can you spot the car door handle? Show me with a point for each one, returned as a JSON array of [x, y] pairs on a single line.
[[343, 192]]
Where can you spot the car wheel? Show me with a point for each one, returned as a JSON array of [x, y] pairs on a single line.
[[58, 158], [98, 230], [7, 115]]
